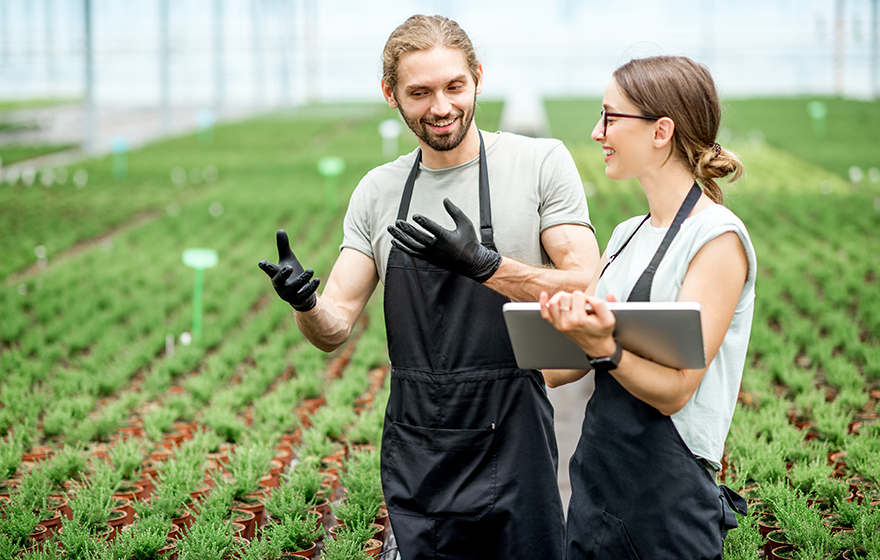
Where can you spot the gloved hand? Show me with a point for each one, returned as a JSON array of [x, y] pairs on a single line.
[[292, 284], [457, 250]]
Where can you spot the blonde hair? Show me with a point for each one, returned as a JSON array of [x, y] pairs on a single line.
[[423, 33], [683, 90]]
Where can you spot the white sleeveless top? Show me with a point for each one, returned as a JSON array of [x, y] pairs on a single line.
[[704, 421]]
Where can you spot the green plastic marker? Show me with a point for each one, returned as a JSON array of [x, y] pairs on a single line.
[[205, 120], [199, 259], [330, 168], [818, 111], [120, 157]]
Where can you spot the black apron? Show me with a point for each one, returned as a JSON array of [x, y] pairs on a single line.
[[468, 449], [637, 490]]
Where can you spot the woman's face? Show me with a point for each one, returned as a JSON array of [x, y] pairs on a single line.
[[626, 142]]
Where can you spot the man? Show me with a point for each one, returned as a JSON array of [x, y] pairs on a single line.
[[468, 450]]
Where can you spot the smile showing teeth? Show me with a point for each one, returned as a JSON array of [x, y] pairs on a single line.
[[608, 151], [441, 124]]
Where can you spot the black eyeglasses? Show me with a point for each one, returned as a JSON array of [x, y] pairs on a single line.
[[606, 114]]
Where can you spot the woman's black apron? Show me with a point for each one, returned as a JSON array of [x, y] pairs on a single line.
[[468, 449], [637, 490]]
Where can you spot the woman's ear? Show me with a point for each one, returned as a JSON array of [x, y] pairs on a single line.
[[663, 131]]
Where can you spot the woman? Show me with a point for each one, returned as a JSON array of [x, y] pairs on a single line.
[[643, 473]]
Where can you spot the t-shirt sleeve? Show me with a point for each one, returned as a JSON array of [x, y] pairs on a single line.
[[356, 227], [562, 192]]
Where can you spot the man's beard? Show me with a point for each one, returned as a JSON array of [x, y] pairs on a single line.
[[441, 142]]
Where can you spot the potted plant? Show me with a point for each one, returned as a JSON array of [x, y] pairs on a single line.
[[146, 539], [218, 506], [127, 458], [260, 549], [207, 540], [18, 523], [70, 463], [294, 534], [357, 514], [92, 505], [287, 500], [308, 480], [35, 491], [744, 542], [77, 540], [346, 547]]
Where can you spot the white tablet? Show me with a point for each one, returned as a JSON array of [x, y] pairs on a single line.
[[667, 333]]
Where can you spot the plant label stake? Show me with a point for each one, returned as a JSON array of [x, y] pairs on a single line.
[[389, 130], [199, 259], [818, 111], [120, 157], [331, 167], [205, 121]]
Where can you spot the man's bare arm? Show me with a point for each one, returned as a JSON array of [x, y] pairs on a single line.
[[348, 289], [573, 250]]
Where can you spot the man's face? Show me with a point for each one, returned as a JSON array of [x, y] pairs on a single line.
[[436, 96]]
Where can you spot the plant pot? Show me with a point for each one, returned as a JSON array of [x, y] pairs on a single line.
[[308, 553], [256, 508], [184, 521], [131, 492], [36, 454], [117, 521], [124, 505], [378, 534], [382, 517], [62, 505], [53, 523], [373, 547], [247, 519], [775, 539], [784, 552]]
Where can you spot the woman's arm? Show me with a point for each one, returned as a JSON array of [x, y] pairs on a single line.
[[714, 279]]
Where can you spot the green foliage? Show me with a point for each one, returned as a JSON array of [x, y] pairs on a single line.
[[345, 547], [294, 533], [247, 464], [306, 478], [144, 539], [65, 465], [77, 540], [127, 458], [18, 521], [744, 542], [11, 452], [207, 539]]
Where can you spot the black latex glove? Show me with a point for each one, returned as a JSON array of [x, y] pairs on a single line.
[[457, 250], [292, 284]]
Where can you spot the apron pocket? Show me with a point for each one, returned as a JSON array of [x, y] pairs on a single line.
[[614, 542], [441, 473]]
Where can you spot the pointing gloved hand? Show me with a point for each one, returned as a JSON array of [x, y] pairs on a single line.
[[457, 250], [292, 284]]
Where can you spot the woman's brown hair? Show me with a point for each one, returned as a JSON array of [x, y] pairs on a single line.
[[683, 90]]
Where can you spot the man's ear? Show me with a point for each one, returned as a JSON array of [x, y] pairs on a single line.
[[388, 93], [479, 85], [663, 131]]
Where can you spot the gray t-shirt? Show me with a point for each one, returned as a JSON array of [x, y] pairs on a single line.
[[533, 185], [704, 421]]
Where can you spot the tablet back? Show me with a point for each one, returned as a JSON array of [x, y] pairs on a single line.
[[667, 333]]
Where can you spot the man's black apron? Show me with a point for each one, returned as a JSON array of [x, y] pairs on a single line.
[[468, 449], [637, 490]]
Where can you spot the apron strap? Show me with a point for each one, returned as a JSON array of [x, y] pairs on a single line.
[[486, 235], [642, 289]]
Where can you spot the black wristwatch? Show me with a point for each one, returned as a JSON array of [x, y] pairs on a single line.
[[607, 363]]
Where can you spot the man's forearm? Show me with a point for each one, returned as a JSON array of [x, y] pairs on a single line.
[[323, 327], [523, 282]]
